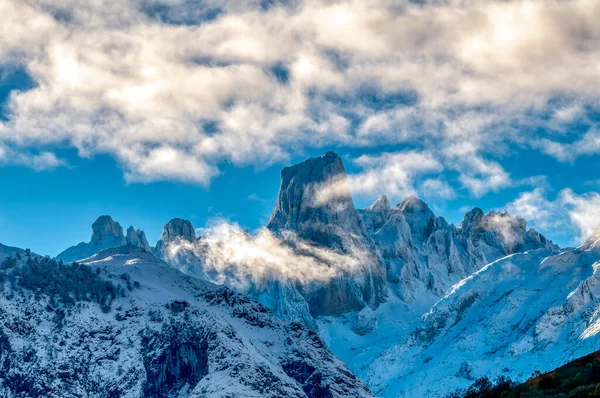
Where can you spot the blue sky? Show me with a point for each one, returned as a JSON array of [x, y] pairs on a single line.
[[152, 110]]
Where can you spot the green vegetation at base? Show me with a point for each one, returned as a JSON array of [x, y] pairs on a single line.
[[577, 379]]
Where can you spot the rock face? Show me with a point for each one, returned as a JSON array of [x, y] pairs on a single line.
[[425, 255], [314, 203], [137, 238], [178, 228], [178, 245], [151, 331], [106, 233]]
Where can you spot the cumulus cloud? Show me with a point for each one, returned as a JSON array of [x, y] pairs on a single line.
[[568, 212], [588, 144], [436, 188], [228, 253], [172, 88], [38, 161], [393, 174]]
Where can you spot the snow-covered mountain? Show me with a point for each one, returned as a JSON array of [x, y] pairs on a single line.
[[426, 255], [106, 233], [499, 298], [125, 324], [527, 311]]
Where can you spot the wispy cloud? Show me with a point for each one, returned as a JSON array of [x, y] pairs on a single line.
[[227, 253], [568, 212]]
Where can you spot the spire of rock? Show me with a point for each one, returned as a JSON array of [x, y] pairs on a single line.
[[381, 204], [418, 215], [137, 238], [315, 203], [178, 228], [106, 233], [314, 192], [105, 229], [470, 219]]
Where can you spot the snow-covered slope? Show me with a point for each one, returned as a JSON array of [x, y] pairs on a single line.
[[527, 311], [125, 324], [106, 233]]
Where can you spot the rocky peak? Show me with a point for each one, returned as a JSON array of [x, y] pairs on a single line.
[[418, 215], [313, 193], [106, 229], [315, 203], [137, 238], [106, 233], [381, 204], [178, 228], [471, 218]]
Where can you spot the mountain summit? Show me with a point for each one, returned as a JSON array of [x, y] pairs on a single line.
[[424, 255], [106, 233], [315, 205]]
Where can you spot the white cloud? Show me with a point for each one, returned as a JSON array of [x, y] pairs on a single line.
[[584, 211], [588, 144], [113, 78], [534, 207], [230, 254], [568, 212], [392, 173], [437, 189], [38, 161]]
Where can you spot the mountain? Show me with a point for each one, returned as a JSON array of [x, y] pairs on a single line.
[[425, 255], [527, 311], [125, 324], [106, 233], [315, 226], [137, 238], [314, 204]]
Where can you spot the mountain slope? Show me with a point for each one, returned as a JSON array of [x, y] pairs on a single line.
[[527, 311], [124, 323]]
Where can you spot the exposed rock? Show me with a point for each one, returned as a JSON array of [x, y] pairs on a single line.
[[423, 254], [315, 204], [137, 238], [178, 228], [177, 246], [381, 204]]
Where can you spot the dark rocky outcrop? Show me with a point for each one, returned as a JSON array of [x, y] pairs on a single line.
[[314, 203]]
